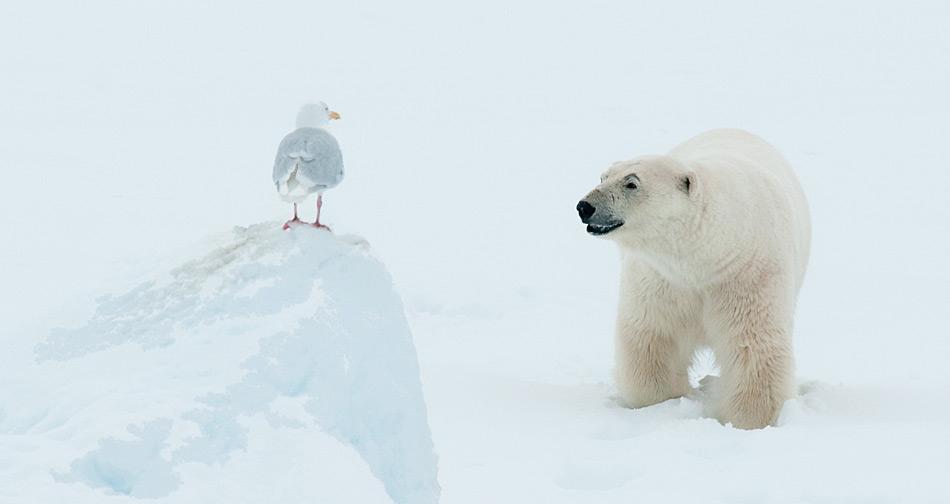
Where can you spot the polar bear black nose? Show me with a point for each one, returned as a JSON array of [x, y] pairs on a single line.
[[585, 210]]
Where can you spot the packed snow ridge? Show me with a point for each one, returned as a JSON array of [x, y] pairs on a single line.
[[273, 339]]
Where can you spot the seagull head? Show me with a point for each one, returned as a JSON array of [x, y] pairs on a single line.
[[315, 115]]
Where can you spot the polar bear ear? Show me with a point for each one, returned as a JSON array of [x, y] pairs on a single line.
[[689, 183]]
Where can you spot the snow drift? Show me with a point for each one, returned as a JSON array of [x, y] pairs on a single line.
[[284, 351]]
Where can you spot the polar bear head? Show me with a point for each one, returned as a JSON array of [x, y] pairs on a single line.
[[643, 201]]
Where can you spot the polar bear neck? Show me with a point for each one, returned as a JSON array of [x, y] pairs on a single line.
[[692, 253]]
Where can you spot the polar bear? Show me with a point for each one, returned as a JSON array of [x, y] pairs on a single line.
[[714, 241]]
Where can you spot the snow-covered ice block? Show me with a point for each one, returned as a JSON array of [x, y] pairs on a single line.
[[296, 331]]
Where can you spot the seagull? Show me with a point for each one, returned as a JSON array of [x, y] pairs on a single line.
[[308, 159]]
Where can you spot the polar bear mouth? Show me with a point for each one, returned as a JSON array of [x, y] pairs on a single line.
[[597, 230]]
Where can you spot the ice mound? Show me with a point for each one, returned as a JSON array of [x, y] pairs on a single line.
[[271, 343]]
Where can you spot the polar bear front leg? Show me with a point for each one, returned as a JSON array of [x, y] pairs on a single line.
[[650, 367], [657, 333], [750, 331]]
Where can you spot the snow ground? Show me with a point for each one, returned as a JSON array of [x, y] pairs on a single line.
[[129, 132]]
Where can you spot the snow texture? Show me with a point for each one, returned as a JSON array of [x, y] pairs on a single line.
[[333, 350]]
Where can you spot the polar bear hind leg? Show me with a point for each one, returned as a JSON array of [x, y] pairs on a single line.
[[751, 338]]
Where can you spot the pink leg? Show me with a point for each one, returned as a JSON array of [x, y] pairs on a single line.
[[295, 219], [319, 204]]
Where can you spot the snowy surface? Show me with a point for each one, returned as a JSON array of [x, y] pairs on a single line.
[[470, 133], [270, 337]]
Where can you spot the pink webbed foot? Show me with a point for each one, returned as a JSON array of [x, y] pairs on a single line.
[[295, 220], [292, 221], [319, 206]]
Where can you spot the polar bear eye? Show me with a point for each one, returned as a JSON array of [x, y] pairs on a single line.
[[631, 182]]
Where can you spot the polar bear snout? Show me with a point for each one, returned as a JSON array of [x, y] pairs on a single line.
[[585, 210], [597, 223]]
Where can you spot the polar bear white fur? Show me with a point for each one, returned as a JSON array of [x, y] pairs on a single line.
[[714, 241]]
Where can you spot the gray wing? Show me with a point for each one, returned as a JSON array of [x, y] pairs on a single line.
[[313, 157]]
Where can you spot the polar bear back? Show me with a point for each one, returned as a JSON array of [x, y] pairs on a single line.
[[744, 179], [725, 149]]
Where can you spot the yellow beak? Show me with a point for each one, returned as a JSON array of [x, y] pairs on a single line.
[[334, 115]]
